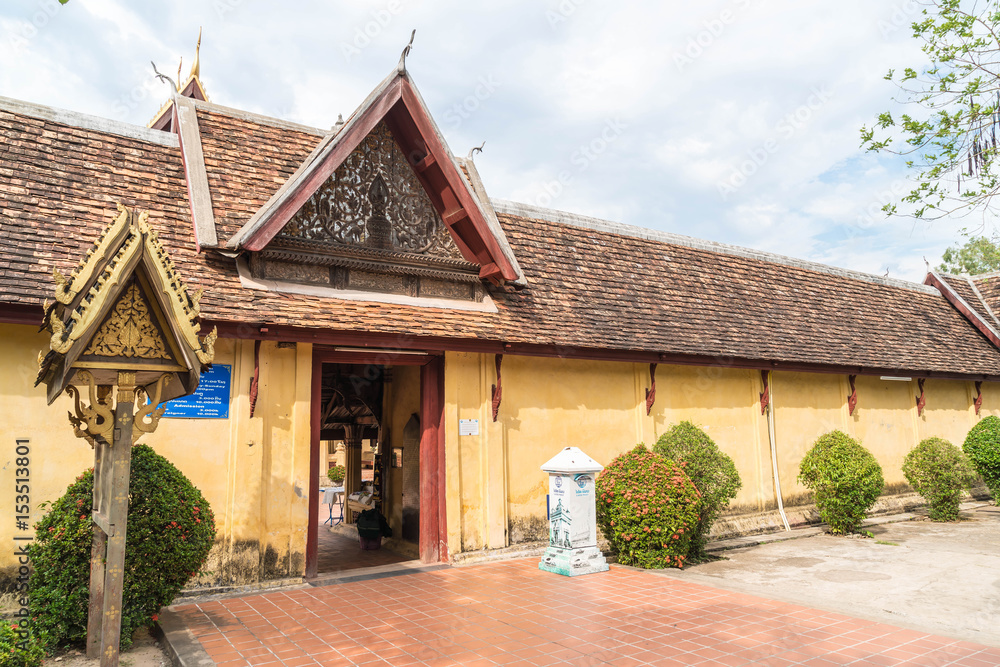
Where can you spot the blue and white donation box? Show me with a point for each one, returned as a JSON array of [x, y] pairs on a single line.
[[572, 515]]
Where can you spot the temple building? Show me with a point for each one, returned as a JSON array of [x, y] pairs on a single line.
[[369, 295]]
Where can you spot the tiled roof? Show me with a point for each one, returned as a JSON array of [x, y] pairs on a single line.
[[965, 287], [586, 285], [246, 163], [989, 287], [587, 288]]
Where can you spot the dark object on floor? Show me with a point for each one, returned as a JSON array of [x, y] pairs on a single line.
[[372, 527]]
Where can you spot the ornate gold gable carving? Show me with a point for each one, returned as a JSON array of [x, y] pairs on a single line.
[[129, 331], [374, 200]]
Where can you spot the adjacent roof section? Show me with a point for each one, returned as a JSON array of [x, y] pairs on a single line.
[[963, 294], [588, 281], [987, 286], [397, 103]]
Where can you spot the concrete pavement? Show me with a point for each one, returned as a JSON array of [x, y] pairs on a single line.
[[936, 577]]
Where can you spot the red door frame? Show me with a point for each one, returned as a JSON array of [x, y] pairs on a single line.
[[433, 519]]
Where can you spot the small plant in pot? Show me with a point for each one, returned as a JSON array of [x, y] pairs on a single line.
[[336, 474]]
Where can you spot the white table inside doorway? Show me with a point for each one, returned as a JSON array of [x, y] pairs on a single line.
[[331, 495]]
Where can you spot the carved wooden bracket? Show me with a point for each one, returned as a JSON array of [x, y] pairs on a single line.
[[651, 392], [921, 401], [497, 388], [852, 399], [94, 421], [765, 396], [979, 397], [254, 386], [148, 417]]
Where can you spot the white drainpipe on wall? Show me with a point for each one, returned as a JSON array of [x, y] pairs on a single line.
[[774, 452]]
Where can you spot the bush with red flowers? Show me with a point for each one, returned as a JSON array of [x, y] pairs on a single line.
[[169, 534], [20, 645], [647, 508]]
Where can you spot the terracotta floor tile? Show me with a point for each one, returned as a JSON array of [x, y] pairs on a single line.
[[512, 613]]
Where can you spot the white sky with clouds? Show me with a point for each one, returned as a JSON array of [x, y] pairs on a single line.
[[736, 121]]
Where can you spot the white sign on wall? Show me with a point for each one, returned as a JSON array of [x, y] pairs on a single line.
[[468, 427]]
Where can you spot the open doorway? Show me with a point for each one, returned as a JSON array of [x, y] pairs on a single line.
[[369, 418]]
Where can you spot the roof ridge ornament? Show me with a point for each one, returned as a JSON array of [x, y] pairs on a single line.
[[191, 87], [196, 67], [167, 79], [401, 68], [474, 150]]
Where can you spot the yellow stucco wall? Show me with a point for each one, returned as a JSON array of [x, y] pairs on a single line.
[[884, 421], [494, 482], [402, 403], [949, 412], [254, 472], [806, 405], [57, 457], [725, 402]]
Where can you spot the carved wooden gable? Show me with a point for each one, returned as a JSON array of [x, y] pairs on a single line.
[[371, 227], [125, 308], [132, 330]]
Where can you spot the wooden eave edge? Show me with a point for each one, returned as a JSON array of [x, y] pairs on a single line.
[[185, 121], [970, 313], [466, 196], [251, 234], [490, 215], [333, 148]]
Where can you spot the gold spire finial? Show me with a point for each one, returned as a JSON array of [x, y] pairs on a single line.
[[196, 67], [179, 66]]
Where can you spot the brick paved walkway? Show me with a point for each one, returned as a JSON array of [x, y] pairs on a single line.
[[337, 553], [513, 614]]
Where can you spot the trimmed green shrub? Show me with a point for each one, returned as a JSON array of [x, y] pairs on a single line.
[[647, 509], [845, 478], [711, 470], [336, 474], [982, 446], [17, 650], [170, 532], [939, 471]]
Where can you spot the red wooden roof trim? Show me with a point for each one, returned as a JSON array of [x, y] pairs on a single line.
[[961, 306], [397, 102], [491, 252], [329, 154]]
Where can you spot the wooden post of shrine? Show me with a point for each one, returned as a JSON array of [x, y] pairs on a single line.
[[123, 319], [98, 550]]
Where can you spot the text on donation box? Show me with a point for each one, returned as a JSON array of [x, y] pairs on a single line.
[[210, 401], [572, 523]]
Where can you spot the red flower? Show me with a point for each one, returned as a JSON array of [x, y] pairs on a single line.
[[156, 617]]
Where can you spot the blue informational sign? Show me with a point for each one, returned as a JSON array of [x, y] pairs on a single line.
[[211, 401]]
